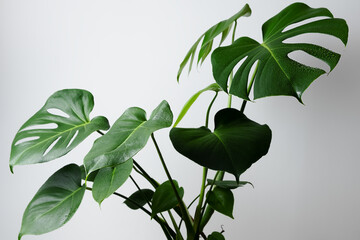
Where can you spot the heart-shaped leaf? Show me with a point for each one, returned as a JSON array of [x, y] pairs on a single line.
[[109, 179], [277, 74], [236, 143], [58, 127], [139, 198], [223, 28], [221, 200], [127, 136], [55, 202], [216, 236], [165, 198]]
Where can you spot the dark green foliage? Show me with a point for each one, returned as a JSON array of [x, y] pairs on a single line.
[[139, 198], [221, 200]]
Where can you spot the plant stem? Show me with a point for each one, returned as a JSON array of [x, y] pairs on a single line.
[[178, 233], [198, 211], [231, 74], [152, 181], [208, 110], [167, 230], [249, 88], [184, 212]]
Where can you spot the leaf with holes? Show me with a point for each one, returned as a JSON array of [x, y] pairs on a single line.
[[55, 202], [109, 179], [236, 143], [276, 73], [38, 141], [223, 28], [127, 136]]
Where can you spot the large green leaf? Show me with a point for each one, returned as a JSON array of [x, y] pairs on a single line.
[[228, 184], [223, 28], [221, 200], [55, 202], [165, 198], [139, 198], [212, 87], [236, 143], [37, 142], [127, 136], [277, 74], [109, 179]]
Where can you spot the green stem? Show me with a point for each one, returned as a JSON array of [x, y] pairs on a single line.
[[198, 211], [231, 74], [208, 110], [167, 230], [178, 233], [249, 88], [152, 181], [184, 212]]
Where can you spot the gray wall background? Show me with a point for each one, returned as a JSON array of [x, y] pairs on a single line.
[[127, 54]]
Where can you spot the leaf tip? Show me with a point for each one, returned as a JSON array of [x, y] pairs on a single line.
[[11, 168]]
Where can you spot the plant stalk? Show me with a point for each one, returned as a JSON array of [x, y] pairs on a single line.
[[184, 212]]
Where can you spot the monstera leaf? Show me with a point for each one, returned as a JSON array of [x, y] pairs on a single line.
[[236, 143], [277, 74], [55, 202], [58, 127], [223, 28], [127, 136]]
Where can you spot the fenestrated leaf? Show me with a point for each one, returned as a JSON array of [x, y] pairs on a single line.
[[127, 136], [228, 184], [37, 141], [236, 143], [164, 197], [208, 37], [212, 87], [221, 200], [55, 202], [277, 74], [216, 236], [140, 197], [109, 179]]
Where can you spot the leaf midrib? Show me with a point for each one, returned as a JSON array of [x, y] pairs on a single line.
[[274, 57]]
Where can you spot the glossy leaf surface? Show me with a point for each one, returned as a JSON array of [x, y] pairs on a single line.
[[228, 184], [164, 197], [223, 28], [216, 236], [47, 136], [127, 136], [278, 74], [236, 143], [212, 87], [109, 179], [55, 202], [140, 197], [221, 200]]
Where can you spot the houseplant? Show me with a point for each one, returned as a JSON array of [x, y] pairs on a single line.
[[110, 161]]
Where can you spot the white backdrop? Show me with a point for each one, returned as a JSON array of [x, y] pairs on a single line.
[[127, 54]]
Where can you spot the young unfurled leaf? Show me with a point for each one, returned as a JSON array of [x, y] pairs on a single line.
[[140, 197], [212, 87], [208, 37], [109, 179], [221, 200], [55, 202], [228, 184], [164, 197], [277, 74], [216, 236], [127, 136], [236, 143], [58, 127]]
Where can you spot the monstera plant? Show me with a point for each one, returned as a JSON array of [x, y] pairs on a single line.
[[235, 143]]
